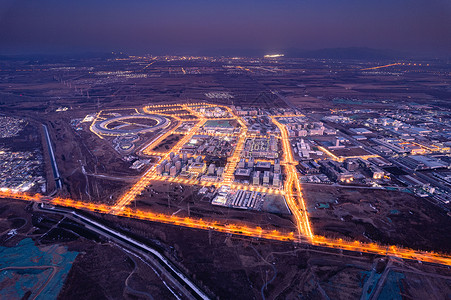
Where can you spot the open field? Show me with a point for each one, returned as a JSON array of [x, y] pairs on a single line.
[[167, 144], [386, 217]]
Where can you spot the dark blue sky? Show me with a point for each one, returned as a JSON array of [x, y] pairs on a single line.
[[146, 26]]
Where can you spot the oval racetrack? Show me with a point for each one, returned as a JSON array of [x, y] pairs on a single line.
[[102, 127]]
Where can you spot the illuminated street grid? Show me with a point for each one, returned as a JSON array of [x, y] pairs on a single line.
[[292, 191]]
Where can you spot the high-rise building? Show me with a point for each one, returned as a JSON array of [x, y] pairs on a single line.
[[351, 165], [164, 162], [250, 163], [273, 143], [178, 165], [159, 169], [256, 178], [276, 179], [173, 171], [276, 166], [242, 163], [211, 169], [266, 177]]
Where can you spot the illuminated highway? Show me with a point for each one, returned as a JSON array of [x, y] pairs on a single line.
[[236, 229], [380, 67], [293, 192]]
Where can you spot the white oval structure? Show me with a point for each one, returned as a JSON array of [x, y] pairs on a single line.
[[102, 127]]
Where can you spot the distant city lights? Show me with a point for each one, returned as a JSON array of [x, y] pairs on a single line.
[[273, 55]]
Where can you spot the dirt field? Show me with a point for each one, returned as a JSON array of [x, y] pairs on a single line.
[[168, 143], [89, 166], [188, 117], [387, 217], [347, 152]]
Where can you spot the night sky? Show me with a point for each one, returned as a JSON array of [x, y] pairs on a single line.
[[146, 26]]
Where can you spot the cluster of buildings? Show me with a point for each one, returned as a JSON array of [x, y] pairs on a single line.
[[21, 170], [300, 126], [239, 198], [261, 125], [431, 136], [210, 145], [245, 111], [259, 172], [428, 129], [10, 127], [266, 148], [213, 112], [273, 111], [391, 146], [190, 168], [338, 119], [219, 126], [314, 128], [409, 148], [218, 95], [304, 149], [421, 162], [351, 170]]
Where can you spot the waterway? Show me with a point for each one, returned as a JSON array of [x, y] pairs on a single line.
[[56, 173]]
